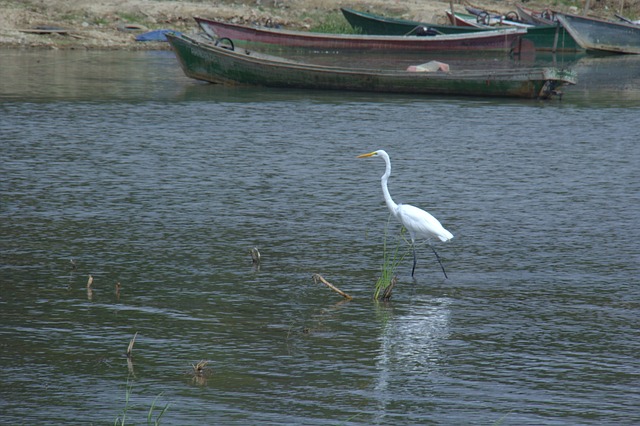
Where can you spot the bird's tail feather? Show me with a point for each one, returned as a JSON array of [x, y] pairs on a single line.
[[446, 236]]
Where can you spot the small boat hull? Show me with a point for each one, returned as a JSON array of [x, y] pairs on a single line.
[[488, 41], [548, 38], [372, 24], [600, 35], [544, 17], [201, 59]]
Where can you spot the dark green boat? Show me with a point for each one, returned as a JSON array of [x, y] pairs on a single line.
[[203, 59], [600, 35], [552, 38]]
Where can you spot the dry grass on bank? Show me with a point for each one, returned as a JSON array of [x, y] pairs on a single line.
[[108, 24]]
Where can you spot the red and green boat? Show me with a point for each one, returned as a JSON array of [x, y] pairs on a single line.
[[501, 40]]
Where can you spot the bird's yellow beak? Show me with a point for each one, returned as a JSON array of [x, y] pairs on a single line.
[[371, 154]]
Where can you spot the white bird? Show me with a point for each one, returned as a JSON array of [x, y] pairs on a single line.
[[419, 223]]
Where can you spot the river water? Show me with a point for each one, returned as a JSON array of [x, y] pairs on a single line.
[[117, 166]]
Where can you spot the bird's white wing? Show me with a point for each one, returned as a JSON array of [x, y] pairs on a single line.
[[421, 224]]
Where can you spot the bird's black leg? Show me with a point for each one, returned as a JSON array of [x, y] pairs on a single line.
[[415, 260], [438, 257]]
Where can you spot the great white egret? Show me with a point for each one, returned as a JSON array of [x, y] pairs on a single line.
[[419, 223]]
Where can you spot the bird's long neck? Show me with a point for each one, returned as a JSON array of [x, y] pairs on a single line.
[[393, 207]]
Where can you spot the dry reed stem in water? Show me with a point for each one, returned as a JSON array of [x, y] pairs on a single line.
[[255, 256], [199, 368], [318, 278], [130, 348]]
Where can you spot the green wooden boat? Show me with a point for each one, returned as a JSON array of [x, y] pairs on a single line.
[[219, 62], [602, 35], [372, 24], [553, 38]]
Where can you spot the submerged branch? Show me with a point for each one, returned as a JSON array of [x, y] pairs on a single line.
[[386, 291], [255, 256], [318, 278]]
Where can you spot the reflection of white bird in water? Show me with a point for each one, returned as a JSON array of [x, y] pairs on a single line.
[[418, 222]]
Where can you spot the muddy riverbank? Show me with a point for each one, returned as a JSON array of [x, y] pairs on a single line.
[[74, 24]]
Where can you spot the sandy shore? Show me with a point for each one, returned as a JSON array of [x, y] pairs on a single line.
[[113, 24]]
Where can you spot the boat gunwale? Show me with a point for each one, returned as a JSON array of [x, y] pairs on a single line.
[[600, 20]]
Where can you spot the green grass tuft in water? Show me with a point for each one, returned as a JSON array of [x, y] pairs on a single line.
[[390, 261], [151, 420]]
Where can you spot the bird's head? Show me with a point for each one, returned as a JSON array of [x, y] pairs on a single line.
[[379, 152]]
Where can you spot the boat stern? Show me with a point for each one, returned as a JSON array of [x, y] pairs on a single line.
[[555, 79]]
